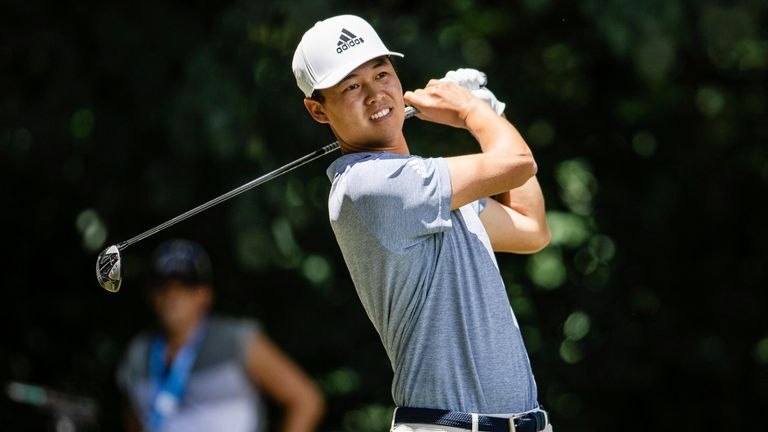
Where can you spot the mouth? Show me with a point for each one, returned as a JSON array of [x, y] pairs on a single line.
[[380, 114]]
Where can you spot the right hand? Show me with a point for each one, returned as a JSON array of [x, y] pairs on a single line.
[[444, 102]]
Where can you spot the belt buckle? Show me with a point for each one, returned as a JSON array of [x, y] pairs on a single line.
[[512, 427]]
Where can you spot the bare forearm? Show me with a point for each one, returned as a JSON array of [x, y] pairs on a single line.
[[494, 133], [518, 223], [505, 161], [527, 199], [280, 378], [303, 415]]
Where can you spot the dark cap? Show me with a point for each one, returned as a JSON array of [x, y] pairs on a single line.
[[182, 259]]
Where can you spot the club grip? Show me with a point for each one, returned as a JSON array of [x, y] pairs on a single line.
[[410, 112]]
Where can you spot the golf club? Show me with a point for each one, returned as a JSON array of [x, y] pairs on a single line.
[[108, 264]]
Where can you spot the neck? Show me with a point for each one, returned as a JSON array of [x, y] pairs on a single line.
[[178, 337], [397, 146]]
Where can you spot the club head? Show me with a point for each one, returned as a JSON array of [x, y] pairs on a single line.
[[109, 269]]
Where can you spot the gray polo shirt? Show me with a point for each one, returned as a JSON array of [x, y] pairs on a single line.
[[429, 282]]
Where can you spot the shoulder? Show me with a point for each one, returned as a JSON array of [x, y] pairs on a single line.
[[225, 339], [229, 331], [381, 173], [223, 327]]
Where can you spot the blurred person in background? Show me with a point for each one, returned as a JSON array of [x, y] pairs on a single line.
[[201, 372]]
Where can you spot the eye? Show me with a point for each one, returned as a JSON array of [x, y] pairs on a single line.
[[351, 87], [382, 74]]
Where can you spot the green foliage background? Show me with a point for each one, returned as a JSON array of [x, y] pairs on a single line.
[[648, 121]]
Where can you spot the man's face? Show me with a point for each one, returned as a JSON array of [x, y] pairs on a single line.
[[364, 110], [179, 305]]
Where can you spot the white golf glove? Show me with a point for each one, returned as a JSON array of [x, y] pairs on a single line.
[[475, 81]]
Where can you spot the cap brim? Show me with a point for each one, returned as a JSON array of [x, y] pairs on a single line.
[[340, 73]]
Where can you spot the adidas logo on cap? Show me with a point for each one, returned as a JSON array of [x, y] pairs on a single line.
[[347, 40]]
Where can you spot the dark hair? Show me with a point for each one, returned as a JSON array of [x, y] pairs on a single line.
[[317, 96]]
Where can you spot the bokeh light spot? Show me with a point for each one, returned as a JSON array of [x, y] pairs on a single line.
[[709, 101], [294, 192], [602, 247], [316, 268], [568, 405], [585, 262], [284, 239], [654, 57], [576, 326], [731, 38], [370, 418], [577, 185], [450, 36], [571, 352], [546, 268], [92, 230], [644, 144], [341, 381], [541, 133], [568, 229]]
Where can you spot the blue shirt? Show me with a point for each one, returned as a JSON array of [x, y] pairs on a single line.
[[429, 282]]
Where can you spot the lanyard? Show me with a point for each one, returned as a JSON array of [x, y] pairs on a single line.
[[167, 389]]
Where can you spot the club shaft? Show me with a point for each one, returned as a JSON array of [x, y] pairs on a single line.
[[409, 112], [234, 192]]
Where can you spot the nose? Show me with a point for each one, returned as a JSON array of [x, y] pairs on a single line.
[[374, 93]]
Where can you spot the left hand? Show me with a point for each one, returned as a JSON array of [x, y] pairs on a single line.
[[475, 81]]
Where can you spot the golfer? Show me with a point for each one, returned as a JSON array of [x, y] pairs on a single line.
[[419, 234]]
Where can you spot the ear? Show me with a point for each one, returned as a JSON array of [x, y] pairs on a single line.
[[316, 110]]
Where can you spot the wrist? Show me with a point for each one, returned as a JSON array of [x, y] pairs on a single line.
[[478, 114]]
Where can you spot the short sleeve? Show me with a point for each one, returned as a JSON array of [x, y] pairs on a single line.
[[226, 339], [401, 199], [246, 331]]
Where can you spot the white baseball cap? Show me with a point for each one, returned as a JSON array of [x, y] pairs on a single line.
[[332, 49]]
